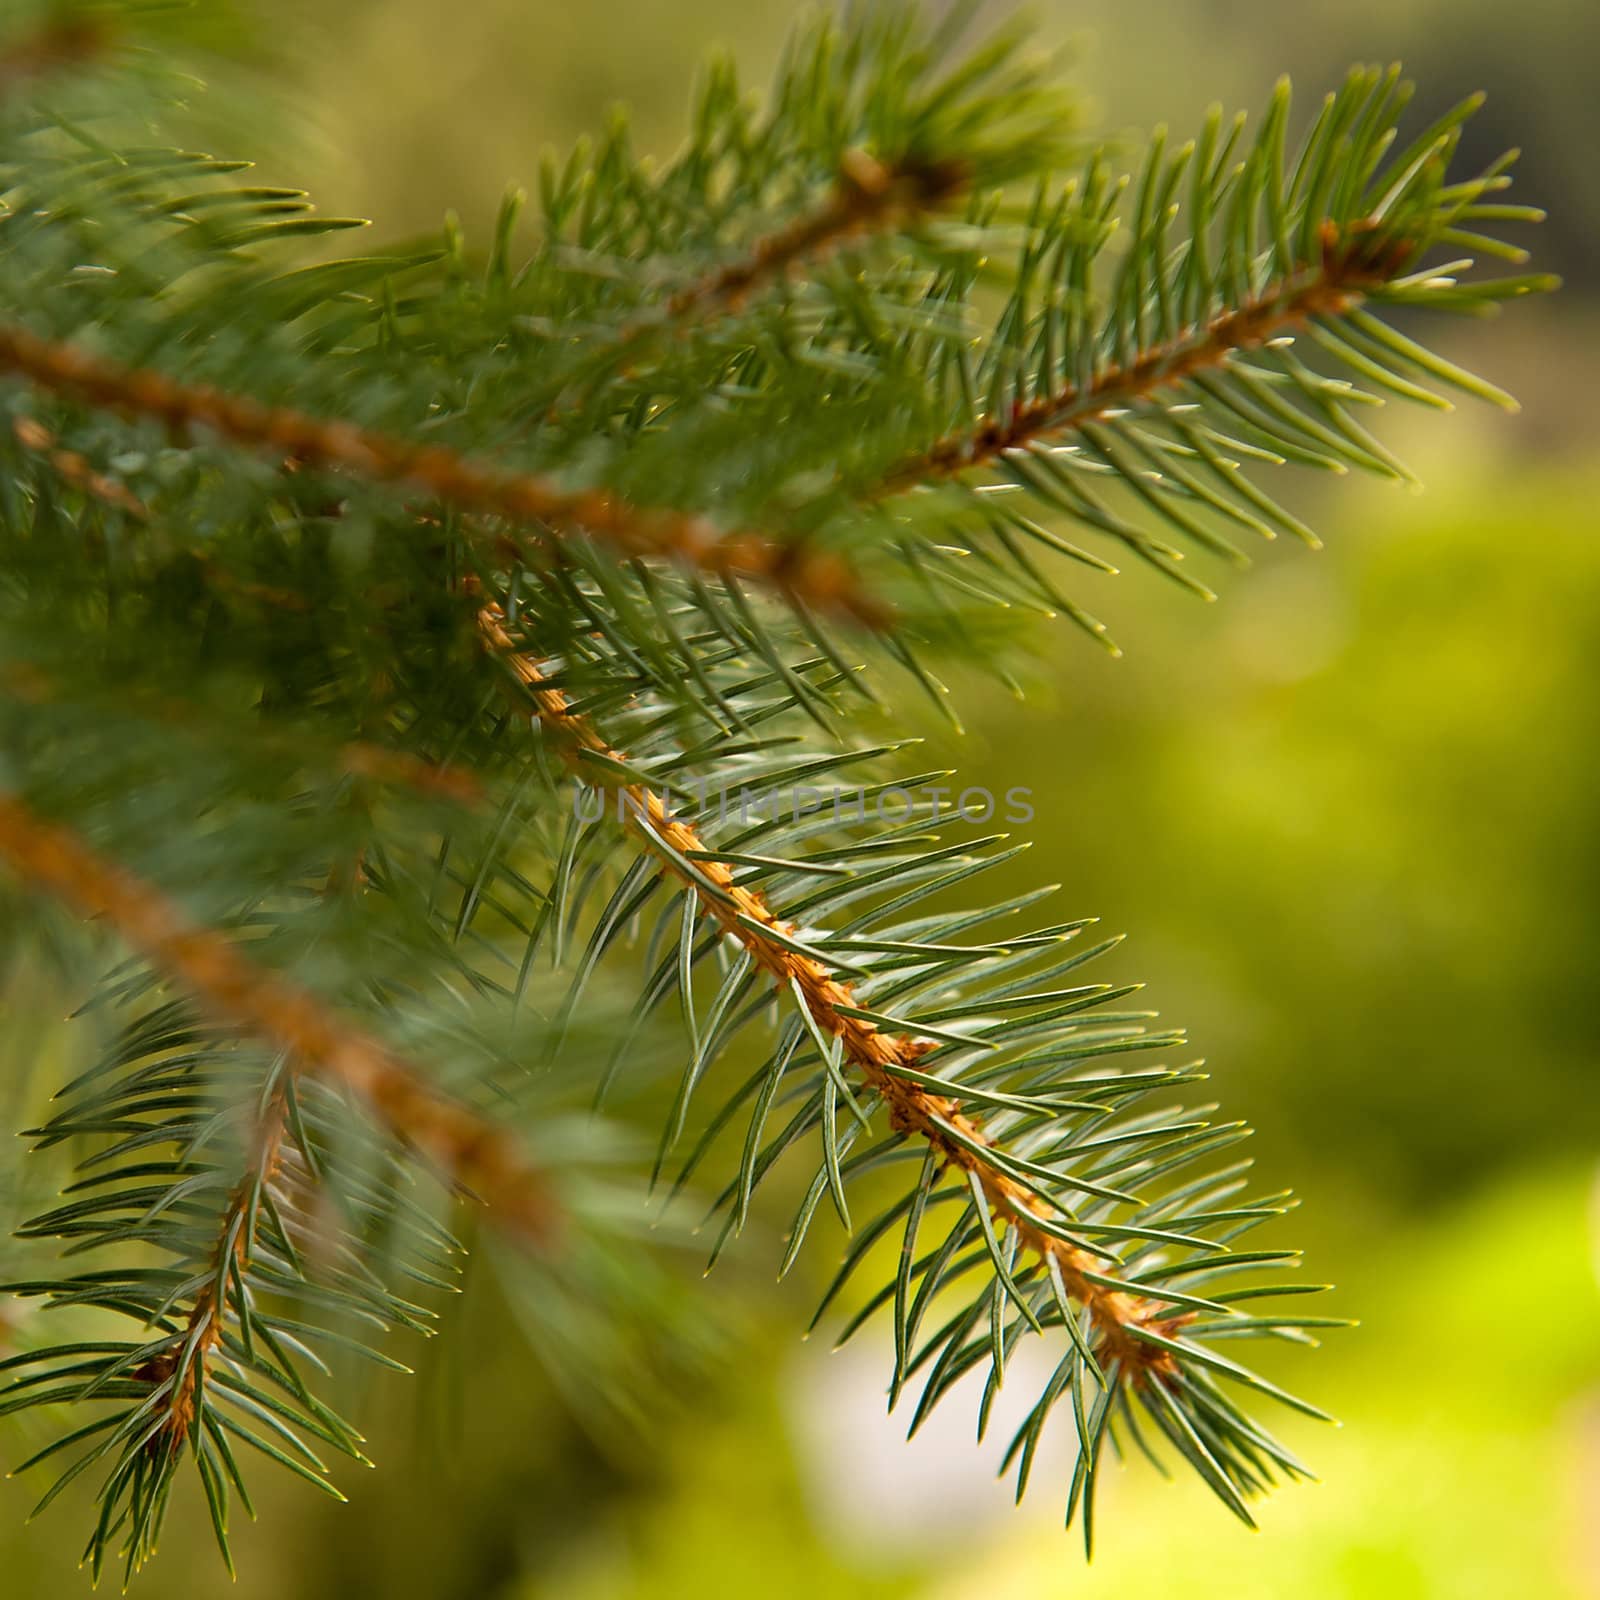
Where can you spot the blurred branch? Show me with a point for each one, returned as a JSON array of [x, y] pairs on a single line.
[[67, 39], [477, 1153], [357, 758], [72, 468], [814, 577]]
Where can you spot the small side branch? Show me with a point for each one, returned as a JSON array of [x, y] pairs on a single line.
[[477, 1153], [1352, 261], [186, 1363], [868, 197]]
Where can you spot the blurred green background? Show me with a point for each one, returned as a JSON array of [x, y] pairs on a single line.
[[1347, 817]]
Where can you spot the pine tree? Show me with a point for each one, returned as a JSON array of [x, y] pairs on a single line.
[[426, 671]]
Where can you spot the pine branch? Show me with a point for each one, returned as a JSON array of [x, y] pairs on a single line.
[[1223, 306], [1123, 360], [886, 1062], [814, 577], [1355, 257], [461, 1143]]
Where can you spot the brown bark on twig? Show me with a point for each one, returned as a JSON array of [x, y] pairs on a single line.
[[1352, 261], [63, 41], [869, 196]]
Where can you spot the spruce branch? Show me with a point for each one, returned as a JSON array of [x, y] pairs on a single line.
[[265, 1224], [981, 1074], [818, 578], [1158, 347], [1156, 334], [885, 1061], [475, 1152], [1354, 258]]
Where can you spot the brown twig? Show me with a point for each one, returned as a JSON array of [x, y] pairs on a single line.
[[363, 759], [877, 1056], [63, 41], [74, 469], [189, 1357], [818, 578], [477, 1153], [868, 196], [1352, 261]]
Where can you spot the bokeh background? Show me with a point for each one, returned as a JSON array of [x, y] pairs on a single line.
[[1347, 817]]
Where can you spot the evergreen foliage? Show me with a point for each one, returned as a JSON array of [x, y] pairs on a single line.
[[325, 580]]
